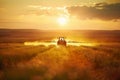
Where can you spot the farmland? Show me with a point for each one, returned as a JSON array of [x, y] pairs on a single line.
[[22, 62]]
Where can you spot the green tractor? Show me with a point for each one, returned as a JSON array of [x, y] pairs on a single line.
[[61, 41]]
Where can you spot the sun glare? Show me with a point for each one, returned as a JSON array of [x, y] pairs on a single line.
[[62, 20]]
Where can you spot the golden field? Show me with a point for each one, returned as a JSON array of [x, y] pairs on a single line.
[[23, 62]]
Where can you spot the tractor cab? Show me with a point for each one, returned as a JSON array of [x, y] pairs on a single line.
[[61, 41]]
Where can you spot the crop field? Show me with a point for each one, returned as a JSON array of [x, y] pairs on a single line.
[[98, 61]]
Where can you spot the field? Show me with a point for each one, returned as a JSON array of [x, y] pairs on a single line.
[[100, 61]]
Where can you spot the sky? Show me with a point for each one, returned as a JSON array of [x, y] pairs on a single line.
[[60, 14]]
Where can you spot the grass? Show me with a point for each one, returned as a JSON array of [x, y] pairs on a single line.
[[19, 62]]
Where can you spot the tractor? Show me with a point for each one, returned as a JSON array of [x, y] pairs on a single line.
[[61, 41]]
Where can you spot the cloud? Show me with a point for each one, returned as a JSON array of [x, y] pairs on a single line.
[[101, 11], [46, 11], [114, 1]]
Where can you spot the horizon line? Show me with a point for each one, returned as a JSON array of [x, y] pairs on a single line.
[[57, 29]]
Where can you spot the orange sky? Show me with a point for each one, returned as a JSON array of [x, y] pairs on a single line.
[[60, 14]]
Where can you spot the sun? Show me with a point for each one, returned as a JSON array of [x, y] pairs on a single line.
[[62, 20]]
